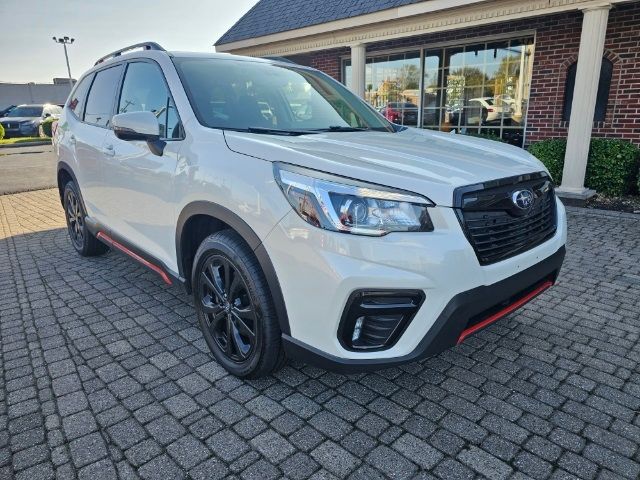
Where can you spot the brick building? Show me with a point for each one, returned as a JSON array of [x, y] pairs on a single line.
[[521, 70]]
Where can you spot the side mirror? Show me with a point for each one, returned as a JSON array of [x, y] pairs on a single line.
[[47, 115], [139, 126]]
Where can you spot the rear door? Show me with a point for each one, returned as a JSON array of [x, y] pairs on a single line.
[[139, 184], [90, 136], [66, 138]]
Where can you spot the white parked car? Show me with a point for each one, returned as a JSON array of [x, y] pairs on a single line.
[[486, 111], [332, 236]]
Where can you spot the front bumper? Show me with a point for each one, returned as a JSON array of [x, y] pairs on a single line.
[[318, 270], [21, 131], [450, 328]]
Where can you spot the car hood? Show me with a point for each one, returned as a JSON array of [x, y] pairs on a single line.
[[18, 119], [421, 161]]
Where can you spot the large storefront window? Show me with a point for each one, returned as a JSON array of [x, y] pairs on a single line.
[[392, 85], [481, 88]]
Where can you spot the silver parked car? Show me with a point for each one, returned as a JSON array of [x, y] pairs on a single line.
[[25, 120]]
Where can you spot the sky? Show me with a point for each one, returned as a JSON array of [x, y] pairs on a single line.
[[101, 26]]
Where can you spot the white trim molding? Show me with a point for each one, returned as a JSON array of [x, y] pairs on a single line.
[[358, 66], [410, 20]]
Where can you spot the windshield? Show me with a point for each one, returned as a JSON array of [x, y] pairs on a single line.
[[263, 97], [26, 111]]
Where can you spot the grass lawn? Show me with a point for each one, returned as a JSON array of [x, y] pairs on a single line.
[[11, 141]]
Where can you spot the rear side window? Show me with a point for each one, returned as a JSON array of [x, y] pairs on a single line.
[[79, 96], [99, 107], [144, 90]]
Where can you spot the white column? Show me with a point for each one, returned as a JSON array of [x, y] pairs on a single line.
[[358, 62], [594, 29]]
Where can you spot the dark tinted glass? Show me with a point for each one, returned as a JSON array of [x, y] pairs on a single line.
[[144, 90], [99, 107], [26, 111], [79, 96], [602, 98]]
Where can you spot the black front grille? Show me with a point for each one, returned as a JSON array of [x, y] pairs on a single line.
[[496, 227]]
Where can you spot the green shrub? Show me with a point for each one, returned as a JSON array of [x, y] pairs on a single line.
[[487, 136], [1, 132], [551, 153], [45, 127], [612, 167]]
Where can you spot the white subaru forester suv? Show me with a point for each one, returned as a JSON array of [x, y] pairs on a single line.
[[305, 224]]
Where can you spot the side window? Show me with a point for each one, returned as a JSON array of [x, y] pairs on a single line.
[[79, 96], [144, 90], [100, 101]]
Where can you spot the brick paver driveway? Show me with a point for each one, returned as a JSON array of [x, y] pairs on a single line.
[[104, 374]]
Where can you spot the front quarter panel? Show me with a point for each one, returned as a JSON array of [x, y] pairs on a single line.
[[209, 172]]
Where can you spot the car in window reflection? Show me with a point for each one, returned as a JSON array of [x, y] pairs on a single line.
[[403, 113], [486, 111]]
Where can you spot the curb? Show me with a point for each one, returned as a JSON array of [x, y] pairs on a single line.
[[602, 213], [26, 144], [27, 190]]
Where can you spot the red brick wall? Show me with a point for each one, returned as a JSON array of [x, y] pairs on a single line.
[[329, 61], [557, 42]]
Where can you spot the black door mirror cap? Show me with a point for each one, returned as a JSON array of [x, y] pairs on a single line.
[[156, 146]]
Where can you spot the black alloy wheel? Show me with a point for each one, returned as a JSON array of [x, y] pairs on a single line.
[[75, 218], [234, 306], [228, 308], [84, 242]]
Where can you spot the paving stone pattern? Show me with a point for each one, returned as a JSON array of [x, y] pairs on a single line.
[[104, 374]]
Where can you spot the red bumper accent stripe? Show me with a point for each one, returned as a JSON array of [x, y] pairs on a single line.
[[110, 241], [505, 311]]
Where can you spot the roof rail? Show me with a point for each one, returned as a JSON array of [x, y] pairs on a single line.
[[143, 45]]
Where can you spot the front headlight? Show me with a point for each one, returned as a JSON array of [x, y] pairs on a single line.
[[345, 205]]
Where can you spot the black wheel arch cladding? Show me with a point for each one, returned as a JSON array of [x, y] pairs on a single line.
[[236, 223]]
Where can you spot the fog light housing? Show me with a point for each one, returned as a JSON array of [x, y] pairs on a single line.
[[375, 319]]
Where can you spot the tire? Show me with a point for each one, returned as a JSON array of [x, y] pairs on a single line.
[[231, 294], [485, 115], [81, 238]]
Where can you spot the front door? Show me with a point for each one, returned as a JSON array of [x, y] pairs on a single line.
[[140, 184]]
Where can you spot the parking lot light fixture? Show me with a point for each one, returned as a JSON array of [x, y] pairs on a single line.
[[66, 41]]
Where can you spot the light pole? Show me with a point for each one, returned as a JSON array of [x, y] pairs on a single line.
[[66, 41]]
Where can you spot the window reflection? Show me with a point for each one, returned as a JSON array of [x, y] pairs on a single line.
[[392, 86], [482, 88], [485, 89]]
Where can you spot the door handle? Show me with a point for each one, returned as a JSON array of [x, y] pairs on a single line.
[[72, 139], [108, 150]]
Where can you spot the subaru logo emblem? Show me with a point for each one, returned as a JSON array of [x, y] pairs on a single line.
[[523, 199]]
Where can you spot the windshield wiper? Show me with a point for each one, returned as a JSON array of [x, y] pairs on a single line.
[[276, 131], [341, 128]]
